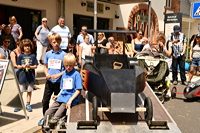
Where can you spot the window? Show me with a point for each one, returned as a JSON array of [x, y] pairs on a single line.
[[168, 3]]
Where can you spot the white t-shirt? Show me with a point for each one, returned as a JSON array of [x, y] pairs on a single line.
[[86, 49], [146, 47]]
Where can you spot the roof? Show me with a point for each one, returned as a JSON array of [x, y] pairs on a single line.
[[118, 2]]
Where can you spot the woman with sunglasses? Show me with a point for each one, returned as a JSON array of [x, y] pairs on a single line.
[[137, 45], [42, 42], [101, 44], [16, 29]]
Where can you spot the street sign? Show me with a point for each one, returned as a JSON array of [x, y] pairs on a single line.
[[196, 10]]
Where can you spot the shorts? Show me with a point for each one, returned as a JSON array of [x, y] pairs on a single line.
[[26, 87], [195, 62], [83, 60]]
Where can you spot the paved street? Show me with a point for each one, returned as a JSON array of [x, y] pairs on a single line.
[[185, 112]]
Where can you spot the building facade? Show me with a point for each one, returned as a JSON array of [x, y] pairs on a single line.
[[109, 15]]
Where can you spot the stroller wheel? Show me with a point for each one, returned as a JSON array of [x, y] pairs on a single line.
[[173, 92]]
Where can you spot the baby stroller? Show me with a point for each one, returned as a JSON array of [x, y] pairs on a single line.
[[156, 69]]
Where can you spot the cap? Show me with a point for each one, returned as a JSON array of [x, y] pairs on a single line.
[[144, 39], [176, 28], [44, 19], [198, 36]]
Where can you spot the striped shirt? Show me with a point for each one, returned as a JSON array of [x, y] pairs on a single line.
[[64, 33]]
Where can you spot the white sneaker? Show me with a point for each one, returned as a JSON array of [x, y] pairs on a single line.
[[168, 95]]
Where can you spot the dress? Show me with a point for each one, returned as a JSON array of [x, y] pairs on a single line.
[[64, 32], [29, 75]]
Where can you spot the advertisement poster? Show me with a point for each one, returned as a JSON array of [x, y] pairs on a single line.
[[3, 68]]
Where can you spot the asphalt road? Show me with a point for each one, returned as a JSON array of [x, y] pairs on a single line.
[[186, 113]]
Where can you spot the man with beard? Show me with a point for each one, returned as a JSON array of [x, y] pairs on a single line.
[[64, 32]]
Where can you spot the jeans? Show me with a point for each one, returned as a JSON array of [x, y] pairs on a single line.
[[50, 88], [181, 62]]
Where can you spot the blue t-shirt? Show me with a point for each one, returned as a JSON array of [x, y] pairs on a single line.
[[76, 82], [52, 57], [27, 76], [81, 40]]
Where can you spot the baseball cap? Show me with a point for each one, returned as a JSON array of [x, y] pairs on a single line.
[[198, 36], [176, 28], [44, 19]]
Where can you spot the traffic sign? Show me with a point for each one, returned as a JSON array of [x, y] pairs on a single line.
[[196, 10]]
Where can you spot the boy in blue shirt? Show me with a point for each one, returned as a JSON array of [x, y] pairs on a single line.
[[70, 85], [52, 65]]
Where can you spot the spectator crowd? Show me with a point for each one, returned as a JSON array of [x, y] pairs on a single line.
[[54, 55]]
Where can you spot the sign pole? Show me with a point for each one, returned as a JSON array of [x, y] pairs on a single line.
[[188, 45]]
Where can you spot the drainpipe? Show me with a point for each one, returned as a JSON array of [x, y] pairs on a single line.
[[95, 18], [149, 20], [61, 8]]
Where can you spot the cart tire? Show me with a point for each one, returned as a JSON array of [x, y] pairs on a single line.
[[173, 94], [94, 108], [149, 109]]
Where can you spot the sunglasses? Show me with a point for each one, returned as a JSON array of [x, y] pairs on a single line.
[[99, 34], [44, 21], [7, 41]]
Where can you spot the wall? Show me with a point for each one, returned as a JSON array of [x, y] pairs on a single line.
[[74, 7], [50, 7]]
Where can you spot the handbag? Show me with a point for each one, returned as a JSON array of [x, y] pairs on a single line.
[[103, 51]]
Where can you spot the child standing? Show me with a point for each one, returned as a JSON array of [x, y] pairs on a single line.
[[52, 65], [70, 85], [27, 63]]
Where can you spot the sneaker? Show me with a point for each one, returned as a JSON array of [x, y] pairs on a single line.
[[189, 82], [28, 108], [168, 95], [16, 110], [174, 82], [184, 83], [40, 123]]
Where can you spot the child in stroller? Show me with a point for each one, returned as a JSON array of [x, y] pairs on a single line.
[[157, 65]]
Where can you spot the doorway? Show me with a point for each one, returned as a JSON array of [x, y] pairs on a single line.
[[28, 19], [80, 20]]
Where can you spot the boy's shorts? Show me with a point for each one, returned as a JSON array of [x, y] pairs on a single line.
[[26, 87], [195, 62]]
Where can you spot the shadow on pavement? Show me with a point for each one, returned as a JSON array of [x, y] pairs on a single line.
[[8, 118]]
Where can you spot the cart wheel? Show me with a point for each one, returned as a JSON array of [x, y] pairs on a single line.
[[94, 108], [173, 92], [149, 109]]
